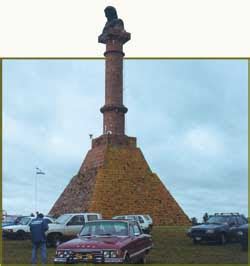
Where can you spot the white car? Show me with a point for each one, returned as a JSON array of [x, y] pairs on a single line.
[[67, 226], [145, 221], [22, 229]]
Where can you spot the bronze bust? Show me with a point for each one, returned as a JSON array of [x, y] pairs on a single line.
[[112, 19]]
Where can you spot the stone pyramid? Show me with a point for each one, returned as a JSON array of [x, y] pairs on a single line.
[[115, 178]]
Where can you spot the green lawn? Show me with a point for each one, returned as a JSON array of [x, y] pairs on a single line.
[[171, 246]]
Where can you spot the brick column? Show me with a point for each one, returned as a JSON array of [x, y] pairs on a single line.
[[114, 110]]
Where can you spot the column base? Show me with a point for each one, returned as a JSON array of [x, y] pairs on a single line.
[[114, 140]]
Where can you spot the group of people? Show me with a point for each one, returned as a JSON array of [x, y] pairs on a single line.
[[38, 227]]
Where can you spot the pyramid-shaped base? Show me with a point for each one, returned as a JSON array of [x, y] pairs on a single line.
[[115, 179]]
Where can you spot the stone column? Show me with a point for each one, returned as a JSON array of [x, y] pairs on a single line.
[[114, 110]]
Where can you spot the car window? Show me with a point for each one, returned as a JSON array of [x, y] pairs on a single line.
[[63, 218], [146, 217], [104, 228], [92, 217], [76, 220], [131, 217], [233, 221], [241, 220], [25, 221], [136, 229], [141, 221], [131, 230], [218, 219]]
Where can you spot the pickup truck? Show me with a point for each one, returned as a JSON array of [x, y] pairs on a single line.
[[67, 226]]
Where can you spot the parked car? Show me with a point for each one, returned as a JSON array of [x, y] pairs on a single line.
[[144, 221], [106, 241], [8, 221], [217, 228], [67, 226], [11, 220], [22, 229]]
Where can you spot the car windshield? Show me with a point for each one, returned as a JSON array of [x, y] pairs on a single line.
[[24, 221], [146, 217], [218, 220], [132, 218], [63, 219], [105, 228], [9, 220]]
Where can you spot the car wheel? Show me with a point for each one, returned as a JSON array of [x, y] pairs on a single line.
[[127, 259], [143, 260], [223, 239], [20, 235], [244, 246], [55, 240], [195, 241]]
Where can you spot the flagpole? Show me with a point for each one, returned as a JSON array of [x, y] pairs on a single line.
[[38, 172], [36, 192]]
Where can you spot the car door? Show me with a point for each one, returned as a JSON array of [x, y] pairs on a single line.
[[240, 222], [233, 224], [132, 245], [92, 217], [138, 242], [74, 225]]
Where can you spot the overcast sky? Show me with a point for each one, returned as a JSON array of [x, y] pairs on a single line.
[[189, 117]]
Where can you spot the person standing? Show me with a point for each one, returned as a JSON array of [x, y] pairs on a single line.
[[38, 227]]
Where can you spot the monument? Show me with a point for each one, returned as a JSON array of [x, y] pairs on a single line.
[[114, 178]]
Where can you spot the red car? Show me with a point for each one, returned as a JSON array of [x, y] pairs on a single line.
[[106, 241]]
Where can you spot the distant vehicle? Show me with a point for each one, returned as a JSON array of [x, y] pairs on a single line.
[[67, 226], [11, 220], [106, 241], [145, 221], [8, 221], [22, 229], [219, 227]]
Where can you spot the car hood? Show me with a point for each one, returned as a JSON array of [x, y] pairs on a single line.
[[207, 226], [94, 243], [55, 226], [15, 227], [7, 224]]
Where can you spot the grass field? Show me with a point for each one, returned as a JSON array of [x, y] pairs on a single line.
[[171, 246]]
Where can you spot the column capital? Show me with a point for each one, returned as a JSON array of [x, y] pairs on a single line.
[[111, 34]]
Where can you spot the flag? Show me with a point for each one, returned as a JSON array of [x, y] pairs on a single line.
[[39, 171]]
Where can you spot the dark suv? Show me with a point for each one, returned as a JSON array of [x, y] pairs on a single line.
[[220, 227]]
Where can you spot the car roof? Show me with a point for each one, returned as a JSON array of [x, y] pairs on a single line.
[[44, 217], [109, 220], [81, 213], [129, 215], [226, 214]]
